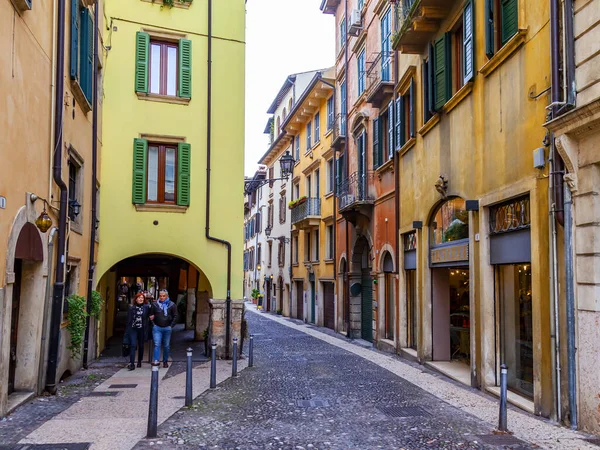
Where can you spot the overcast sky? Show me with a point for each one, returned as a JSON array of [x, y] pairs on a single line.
[[282, 37]]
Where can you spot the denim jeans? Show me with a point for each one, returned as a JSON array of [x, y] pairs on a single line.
[[161, 336], [136, 336]]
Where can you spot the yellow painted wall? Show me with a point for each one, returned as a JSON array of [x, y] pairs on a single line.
[[126, 232]]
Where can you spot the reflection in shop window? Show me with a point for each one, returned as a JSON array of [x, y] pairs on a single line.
[[451, 222]]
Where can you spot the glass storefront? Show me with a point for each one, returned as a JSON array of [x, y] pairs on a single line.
[[516, 327], [451, 222], [460, 316], [411, 303]]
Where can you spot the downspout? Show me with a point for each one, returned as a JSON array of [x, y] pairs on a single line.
[[91, 265], [47, 303], [53, 100], [397, 215], [208, 168], [570, 288], [347, 164], [59, 285]]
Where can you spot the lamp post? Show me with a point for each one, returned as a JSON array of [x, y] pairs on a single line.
[[286, 164]]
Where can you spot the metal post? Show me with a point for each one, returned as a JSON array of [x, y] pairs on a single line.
[[188, 379], [153, 408], [213, 366], [251, 352], [503, 393], [234, 362]]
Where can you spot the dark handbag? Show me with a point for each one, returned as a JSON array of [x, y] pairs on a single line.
[[126, 344]]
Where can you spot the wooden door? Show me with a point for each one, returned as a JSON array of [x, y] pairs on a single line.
[[366, 321], [328, 301], [313, 302], [299, 300], [268, 307], [14, 326]]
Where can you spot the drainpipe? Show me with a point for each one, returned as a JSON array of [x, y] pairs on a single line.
[[208, 168], [570, 288], [47, 303], [91, 265], [347, 164], [53, 99], [59, 285]]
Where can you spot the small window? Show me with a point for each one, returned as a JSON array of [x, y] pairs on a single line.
[[330, 179], [163, 68], [330, 112], [501, 23], [405, 116], [270, 254], [362, 72], [296, 191], [309, 186], [162, 161], [317, 183], [316, 246], [330, 242], [343, 31], [307, 246], [308, 136], [458, 78], [295, 249], [297, 148], [317, 127], [82, 53], [75, 193]]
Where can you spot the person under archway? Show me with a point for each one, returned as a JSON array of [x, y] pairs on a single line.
[[138, 318], [164, 314]]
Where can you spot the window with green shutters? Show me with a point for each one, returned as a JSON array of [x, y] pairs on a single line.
[[163, 67], [442, 71], [501, 23], [376, 143], [161, 173], [82, 49]]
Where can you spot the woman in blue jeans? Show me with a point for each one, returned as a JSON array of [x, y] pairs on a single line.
[[137, 328], [164, 313]]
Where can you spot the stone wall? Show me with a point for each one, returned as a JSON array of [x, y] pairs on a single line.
[[218, 322]]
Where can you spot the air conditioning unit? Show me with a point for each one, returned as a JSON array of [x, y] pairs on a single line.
[[355, 23], [23, 5]]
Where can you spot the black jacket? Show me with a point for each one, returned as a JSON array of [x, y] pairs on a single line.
[[162, 320], [145, 318]]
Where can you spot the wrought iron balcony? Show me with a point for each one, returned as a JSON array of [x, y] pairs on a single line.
[[354, 191], [307, 214], [380, 80], [417, 21], [338, 138]]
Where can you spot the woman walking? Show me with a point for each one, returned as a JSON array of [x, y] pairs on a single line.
[[137, 328]]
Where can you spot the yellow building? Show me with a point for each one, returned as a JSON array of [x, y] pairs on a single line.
[[310, 123], [47, 100], [172, 154], [474, 266]]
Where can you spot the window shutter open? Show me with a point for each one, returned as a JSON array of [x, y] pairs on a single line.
[[183, 174], [398, 122], [489, 28], [510, 19], [412, 108], [84, 36], [142, 46], [185, 68], [140, 162], [74, 39], [390, 129], [376, 161], [441, 70], [468, 42], [89, 60], [402, 122], [431, 81]]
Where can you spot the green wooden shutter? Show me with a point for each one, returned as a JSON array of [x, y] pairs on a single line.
[[142, 50], [412, 100], [83, 50], [398, 122], [185, 68], [87, 55], [376, 160], [510, 19], [390, 130], [489, 28], [441, 71], [402, 122], [468, 42], [183, 174], [431, 80], [74, 39], [140, 163]]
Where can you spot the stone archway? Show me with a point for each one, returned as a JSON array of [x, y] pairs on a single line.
[[22, 312], [361, 291]]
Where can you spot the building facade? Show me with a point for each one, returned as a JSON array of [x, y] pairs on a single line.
[[52, 171], [310, 127], [171, 186], [575, 124]]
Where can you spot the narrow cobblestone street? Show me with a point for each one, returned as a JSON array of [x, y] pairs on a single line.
[[305, 393]]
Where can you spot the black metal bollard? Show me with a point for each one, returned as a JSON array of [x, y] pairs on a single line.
[[503, 393], [234, 362], [251, 352], [188, 379], [213, 366], [153, 408]]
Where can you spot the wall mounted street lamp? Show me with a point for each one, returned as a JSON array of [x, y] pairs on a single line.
[[286, 163], [43, 222], [258, 267], [74, 209]]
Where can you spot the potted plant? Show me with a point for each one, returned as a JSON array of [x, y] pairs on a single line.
[[301, 200], [255, 293], [292, 204], [279, 312]]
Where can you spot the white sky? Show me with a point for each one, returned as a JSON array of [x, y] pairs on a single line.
[[282, 37]]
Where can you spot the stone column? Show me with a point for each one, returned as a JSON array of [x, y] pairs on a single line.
[[218, 331]]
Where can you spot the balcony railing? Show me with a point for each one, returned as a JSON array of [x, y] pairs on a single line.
[[338, 138], [379, 78], [355, 190], [404, 11], [310, 208], [417, 22]]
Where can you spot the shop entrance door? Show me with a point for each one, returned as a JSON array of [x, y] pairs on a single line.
[[299, 300], [14, 326], [366, 307], [313, 302]]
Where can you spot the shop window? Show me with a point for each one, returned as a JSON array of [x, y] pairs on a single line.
[[451, 222], [411, 308]]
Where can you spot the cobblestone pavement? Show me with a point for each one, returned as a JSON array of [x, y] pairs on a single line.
[[33, 414], [304, 393]]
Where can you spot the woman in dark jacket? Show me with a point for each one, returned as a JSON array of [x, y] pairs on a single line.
[[138, 318]]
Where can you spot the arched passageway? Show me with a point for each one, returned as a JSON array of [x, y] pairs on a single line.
[[361, 291]]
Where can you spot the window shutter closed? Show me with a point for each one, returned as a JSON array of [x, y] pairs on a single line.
[[83, 50], [431, 81], [391, 129], [142, 45], [402, 122], [489, 28], [398, 122], [441, 70], [185, 68], [183, 174], [376, 161], [89, 57], [140, 162], [510, 19], [74, 39], [468, 42], [412, 108]]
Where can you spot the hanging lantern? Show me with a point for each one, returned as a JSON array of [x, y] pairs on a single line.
[[43, 222]]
